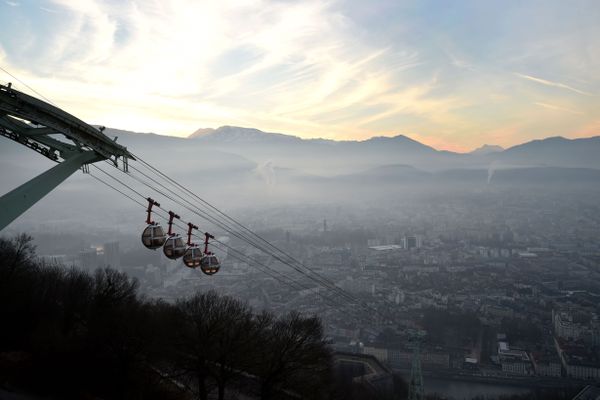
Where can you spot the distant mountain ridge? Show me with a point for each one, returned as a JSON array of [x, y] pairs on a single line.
[[238, 166], [236, 134], [487, 149], [229, 133], [555, 151], [293, 152]]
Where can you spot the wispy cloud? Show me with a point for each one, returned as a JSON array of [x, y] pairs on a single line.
[[49, 10], [303, 63], [553, 84], [313, 68], [558, 108]]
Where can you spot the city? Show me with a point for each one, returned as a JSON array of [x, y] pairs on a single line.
[[300, 200], [498, 285]]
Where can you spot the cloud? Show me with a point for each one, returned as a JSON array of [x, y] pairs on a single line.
[[558, 108], [553, 84], [312, 68], [49, 10], [12, 3], [304, 63]]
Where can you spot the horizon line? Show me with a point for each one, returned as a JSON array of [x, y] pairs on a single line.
[[382, 136]]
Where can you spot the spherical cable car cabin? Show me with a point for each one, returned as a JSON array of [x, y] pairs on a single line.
[[209, 264], [153, 236], [193, 256], [174, 246]]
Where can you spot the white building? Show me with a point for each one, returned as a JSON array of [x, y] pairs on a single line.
[[514, 361], [565, 328]]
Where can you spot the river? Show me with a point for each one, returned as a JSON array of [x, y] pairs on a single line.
[[460, 390]]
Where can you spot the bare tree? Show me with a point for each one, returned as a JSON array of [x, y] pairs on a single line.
[[16, 253], [112, 287], [200, 323], [231, 343], [294, 356]]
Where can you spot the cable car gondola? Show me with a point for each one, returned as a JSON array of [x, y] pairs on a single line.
[[174, 246], [193, 254], [209, 264], [153, 236]]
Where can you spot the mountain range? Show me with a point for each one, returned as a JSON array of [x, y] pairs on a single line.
[[237, 166], [248, 159], [347, 156]]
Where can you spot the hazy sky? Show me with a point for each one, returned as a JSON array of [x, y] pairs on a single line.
[[452, 74]]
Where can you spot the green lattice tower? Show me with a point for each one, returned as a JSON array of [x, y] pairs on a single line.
[[55, 134], [415, 386]]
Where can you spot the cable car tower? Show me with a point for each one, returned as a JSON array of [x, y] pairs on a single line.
[[36, 125], [416, 390]]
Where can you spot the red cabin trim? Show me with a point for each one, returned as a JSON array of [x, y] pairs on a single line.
[[206, 237], [190, 227], [172, 215], [149, 210]]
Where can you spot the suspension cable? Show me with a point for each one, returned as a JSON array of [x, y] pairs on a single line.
[[239, 235], [318, 278], [300, 268], [286, 280]]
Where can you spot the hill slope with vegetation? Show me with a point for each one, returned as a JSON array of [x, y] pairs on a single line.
[[70, 334]]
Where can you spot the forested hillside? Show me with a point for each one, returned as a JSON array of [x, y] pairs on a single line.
[[69, 334]]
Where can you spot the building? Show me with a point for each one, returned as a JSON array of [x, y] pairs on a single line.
[[383, 254], [546, 363], [88, 259], [412, 242], [579, 361], [55, 259], [400, 358], [514, 361], [564, 327], [430, 359], [379, 353], [112, 255]]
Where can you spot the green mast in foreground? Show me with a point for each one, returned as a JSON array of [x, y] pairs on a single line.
[[35, 124], [415, 386]]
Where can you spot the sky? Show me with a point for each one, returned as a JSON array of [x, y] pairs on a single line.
[[452, 74]]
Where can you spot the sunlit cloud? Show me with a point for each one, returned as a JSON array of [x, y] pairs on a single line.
[[558, 108], [311, 68], [49, 10], [553, 84]]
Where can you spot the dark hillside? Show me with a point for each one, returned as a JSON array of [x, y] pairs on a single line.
[[70, 334]]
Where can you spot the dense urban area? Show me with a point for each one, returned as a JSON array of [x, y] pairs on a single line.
[[495, 286]]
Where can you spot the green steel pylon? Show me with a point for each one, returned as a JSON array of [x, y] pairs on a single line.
[[415, 386], [35, 124]]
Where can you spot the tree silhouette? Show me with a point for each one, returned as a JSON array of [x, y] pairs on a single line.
[[16, 253], [231, 343], [295, 357], [200, 323], [71, 334]]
